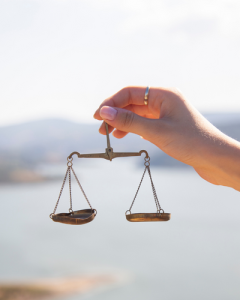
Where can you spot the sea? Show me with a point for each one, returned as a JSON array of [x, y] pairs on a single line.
[[195, 255]]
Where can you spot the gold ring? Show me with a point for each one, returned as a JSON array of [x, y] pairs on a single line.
[[146, 95]]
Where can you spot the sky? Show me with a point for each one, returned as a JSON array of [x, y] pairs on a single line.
[[62, 58]]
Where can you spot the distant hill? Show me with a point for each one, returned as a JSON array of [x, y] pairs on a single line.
[[24, 146], [53, 140]]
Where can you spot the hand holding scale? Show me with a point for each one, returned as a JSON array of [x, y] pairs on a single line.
[[84, 216]]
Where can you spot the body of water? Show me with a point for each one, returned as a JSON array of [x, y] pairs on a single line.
[[196, 255]]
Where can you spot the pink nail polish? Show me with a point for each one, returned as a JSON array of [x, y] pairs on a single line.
[[108, 113]]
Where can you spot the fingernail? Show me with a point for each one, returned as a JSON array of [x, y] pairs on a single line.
[[108, 113]]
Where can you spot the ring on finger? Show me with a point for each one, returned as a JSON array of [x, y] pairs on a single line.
[[146, 95]]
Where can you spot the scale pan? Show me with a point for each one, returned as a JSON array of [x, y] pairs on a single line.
[[148, 217], [78, 217]]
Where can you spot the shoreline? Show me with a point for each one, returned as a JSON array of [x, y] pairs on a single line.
[[55, 287]]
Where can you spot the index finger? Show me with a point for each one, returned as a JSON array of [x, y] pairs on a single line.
[[126, 96]]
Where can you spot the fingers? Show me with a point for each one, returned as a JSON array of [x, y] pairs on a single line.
[[123, 98], [125, 121], [102, 128], [132, 98], [135, 115], [119, 134], [116, 133], [140, 110]]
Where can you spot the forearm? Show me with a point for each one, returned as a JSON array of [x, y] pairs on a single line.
[[171, 123], [221, 162]]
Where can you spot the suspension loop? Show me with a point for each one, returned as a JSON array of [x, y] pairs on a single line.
[[160, 211], [128, 212], [147, 161], [63, 184], [95, 212], [70, 210], [69, 162], [145, 152]]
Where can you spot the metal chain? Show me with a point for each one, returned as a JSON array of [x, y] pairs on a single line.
[[137, 190], [70, 188], [60, 194], [153, 189], [147, 167], [81, 188], [68, 173], [159, 209]]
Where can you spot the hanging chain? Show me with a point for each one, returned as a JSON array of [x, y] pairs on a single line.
[[81, 188], [137, 191], [60, 194], [68, 173], [70, 188], [147, 167], [159, 209]]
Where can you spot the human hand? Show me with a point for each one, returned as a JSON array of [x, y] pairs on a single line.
[[176, 127]]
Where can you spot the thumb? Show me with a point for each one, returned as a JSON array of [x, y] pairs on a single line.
[[126, 120]]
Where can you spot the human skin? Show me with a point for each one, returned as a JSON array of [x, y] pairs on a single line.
[[171, 123]]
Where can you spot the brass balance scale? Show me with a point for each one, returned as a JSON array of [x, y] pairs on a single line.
[[84, 216]]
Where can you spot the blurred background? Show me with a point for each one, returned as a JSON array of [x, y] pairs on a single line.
[[59, 60]]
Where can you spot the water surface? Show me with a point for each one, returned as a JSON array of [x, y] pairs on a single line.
[[196, 255]]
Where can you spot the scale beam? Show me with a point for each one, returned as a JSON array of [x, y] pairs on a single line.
[[109, 153], [107, 156]]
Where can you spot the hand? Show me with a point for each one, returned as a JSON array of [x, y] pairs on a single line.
[[177, 128]]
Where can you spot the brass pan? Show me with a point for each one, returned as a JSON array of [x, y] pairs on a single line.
[[148, 217], [78, 217]]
